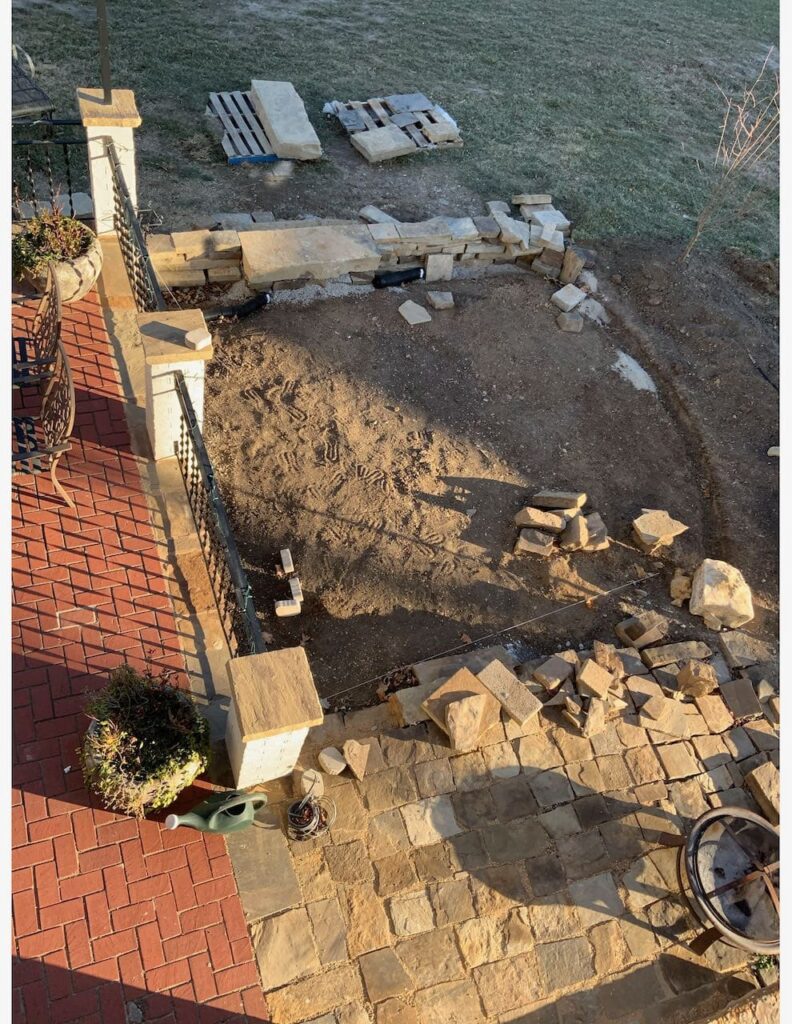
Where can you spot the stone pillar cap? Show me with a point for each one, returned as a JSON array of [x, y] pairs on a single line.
[[163, 336], [274, 693], [120, 112]]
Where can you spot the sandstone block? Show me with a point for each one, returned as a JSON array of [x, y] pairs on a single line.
[[439, 267], [356, 756], [413, 313], [655, 528], [764, 783], [559, 499], [593, 680], [534, 542], [430, 820], [464, 719], [282, 113], [553, 672], [440, 300], [315, 995], [656, 657], [642, 630], [720, 594], [373, 215], [568, 297], [574, 262], [517, 700], [313, 251], [741, 698], [742, 651], [576, 534], [538, 519], [571, 323], [696, 678], [331, 760]]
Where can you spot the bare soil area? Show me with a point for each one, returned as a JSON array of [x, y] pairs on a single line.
[[391, 460]]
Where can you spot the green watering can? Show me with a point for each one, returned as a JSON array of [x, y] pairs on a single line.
[[221, 812]]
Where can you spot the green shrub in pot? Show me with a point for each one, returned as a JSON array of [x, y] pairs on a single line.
[[146, 742], [53, 241]]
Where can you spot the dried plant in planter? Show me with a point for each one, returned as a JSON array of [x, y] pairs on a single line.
[[145, 744], [50, 237]]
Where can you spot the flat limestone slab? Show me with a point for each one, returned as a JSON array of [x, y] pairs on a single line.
[[386, 143], [273, 693], [414, 314], [270, 891], [285, 121], [318, 252]]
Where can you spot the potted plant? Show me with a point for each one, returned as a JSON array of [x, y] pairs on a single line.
[[51, 240], [145, 744]]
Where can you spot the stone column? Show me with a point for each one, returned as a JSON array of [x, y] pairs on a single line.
[[165, 350], [115, 120], [273, 705]]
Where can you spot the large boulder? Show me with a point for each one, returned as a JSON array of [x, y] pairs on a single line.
[[720, 594]]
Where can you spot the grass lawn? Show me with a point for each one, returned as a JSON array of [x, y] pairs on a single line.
[[612, 107]]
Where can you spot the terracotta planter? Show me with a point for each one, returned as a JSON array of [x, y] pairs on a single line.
[[78, 276]]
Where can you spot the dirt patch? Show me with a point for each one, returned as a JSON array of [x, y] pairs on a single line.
[[392, 460]]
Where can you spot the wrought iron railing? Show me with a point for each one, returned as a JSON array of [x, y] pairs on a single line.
[[232, 591], [48, 167], [141, 274]]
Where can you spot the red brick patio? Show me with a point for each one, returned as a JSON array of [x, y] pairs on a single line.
[[107, 910]]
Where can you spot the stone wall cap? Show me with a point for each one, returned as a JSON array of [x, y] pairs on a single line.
[[163, 336], [274, 693], [120, 112]]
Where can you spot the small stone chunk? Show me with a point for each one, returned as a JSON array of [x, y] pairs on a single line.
[[593, 680], [553, 672], [413, 313], [655, 528], [440, 300], [720, 594], [559, 499], [568, 297], [571, 323], [680, 587], [356, 756], [764, 783], [598, 533], [576, 534], [464, 719], [696, 678], [306, 781], [534, 542], [331, 760], [596, 718], [538, 519]]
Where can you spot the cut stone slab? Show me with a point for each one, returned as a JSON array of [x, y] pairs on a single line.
[[373, 215], [367, 924], [568, 297], [462, 683], [596, 899], [559, 499], [285, 948], [764, 783], [318, 252], [331, 760], [438, 670], [677, 760], [593, 680], [534, 542], [430, 821], [440, 300], [282, 113], [697, 678], [662, 714], [720, 594], [414, 314], [655, 528], [356, 756], [656, 657], [741, 698], [516, 699], [383, 975], [270, 892], [329, 930], [715, 713], [411, 914], [741, 650], [377, 144], [532, 199], [574, 262], [538, 519], [571, 323], [439, 267], [464, 720]]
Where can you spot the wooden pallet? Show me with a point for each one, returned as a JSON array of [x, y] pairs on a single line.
[[412, 112], [244, 140]]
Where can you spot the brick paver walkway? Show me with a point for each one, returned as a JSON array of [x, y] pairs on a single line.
[[106, 910]]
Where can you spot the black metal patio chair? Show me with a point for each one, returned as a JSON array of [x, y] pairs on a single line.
[[40, 440], [34, 352]]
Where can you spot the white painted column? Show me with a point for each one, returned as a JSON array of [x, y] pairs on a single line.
[[274, 703], [165, 350], [114, 121]]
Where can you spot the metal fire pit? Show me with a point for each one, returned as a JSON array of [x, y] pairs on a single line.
[[729, 871]]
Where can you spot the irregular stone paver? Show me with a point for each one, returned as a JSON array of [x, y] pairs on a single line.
[[597, 899], [314, 996], [411, 914], [383, 975], [367, 924], [429, 821], [452, 901], [564, 963], [329, 930], [434, 777], [285, 948], [431, 958], [508, 983], [456, 1001]]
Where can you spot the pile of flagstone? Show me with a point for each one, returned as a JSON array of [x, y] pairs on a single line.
[[555, 519]]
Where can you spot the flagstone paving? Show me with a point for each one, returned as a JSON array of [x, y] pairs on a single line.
[[107, 911], [523, 883]]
